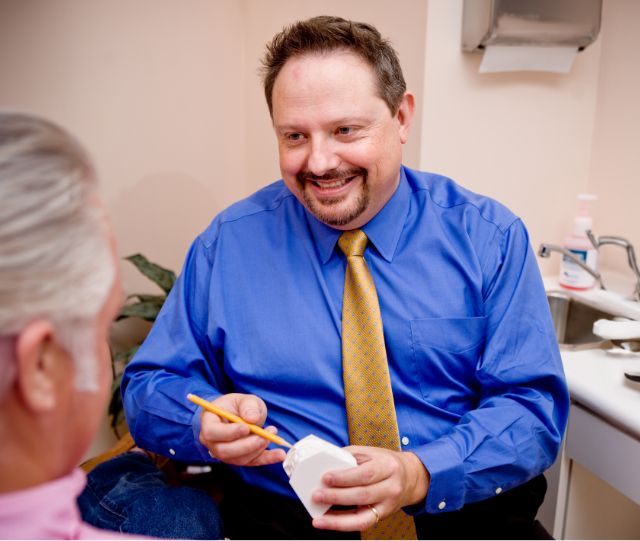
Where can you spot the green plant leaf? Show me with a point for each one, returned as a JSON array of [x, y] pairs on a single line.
[[147, 310], [147, 307], [165, 278]]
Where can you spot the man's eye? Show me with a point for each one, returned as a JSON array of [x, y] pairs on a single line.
[[295, 137], [347, 131]]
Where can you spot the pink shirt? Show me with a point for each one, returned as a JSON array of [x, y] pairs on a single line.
[[49, 511]]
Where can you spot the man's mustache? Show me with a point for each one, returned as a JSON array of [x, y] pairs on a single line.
[[308, 176]]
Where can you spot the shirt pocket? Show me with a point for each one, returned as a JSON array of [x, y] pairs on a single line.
[[446, 352]]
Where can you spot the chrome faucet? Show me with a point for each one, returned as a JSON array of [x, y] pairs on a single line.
[[546, 249], [631, 254]]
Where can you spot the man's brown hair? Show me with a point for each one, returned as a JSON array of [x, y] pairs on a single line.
[[325, 34]]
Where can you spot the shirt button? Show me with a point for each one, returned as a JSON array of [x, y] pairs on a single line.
[[172, 452], [498, 490], [405, 440], [442, 505]]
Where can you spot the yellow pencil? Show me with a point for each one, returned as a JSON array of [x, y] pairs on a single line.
[[235, 419]]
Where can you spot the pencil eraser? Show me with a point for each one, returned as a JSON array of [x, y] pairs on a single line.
[[307, 461]]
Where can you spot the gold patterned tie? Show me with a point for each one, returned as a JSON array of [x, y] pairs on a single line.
[[367, 387]]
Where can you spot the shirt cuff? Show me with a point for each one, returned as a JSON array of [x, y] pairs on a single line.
[[446, 485], [196, 424]]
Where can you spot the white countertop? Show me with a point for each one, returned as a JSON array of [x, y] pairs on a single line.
[[596, 378]]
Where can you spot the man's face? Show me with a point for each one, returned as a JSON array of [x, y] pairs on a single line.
[[340, 148]]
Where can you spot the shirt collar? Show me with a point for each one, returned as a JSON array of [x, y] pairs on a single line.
[[46, 511], [383, 230]]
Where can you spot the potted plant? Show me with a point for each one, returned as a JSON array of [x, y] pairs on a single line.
[[145, 307]]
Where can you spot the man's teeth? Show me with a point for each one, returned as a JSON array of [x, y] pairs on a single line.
[[334, 183]]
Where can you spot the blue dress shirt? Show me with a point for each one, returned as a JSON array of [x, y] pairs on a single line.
[[477, 378]]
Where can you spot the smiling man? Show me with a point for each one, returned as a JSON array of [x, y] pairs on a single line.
[[340, 150], [380, 308]]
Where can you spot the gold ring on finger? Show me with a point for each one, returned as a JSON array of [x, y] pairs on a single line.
[[376, 514]]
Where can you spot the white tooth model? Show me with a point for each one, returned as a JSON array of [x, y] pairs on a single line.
[[307, 461]]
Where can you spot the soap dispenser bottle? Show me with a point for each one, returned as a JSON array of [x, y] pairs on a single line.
[[571, 275]]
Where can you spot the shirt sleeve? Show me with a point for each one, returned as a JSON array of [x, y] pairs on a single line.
[[176, 358], [515, 432]]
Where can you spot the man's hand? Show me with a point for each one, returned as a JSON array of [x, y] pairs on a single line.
[[384, 479], [232, 443]]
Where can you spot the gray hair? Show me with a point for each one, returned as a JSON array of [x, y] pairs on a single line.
[[55, 259]]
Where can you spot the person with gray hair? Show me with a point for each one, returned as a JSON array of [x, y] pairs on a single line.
[[59, 292]]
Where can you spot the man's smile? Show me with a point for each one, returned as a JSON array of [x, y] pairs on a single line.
[[333, 184], [338, 183]]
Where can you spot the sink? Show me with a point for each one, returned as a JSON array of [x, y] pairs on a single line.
[[573, 321]]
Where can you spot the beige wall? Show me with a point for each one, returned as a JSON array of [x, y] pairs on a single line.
[[522, 138], [166, 96], [614, 172], [141, 83], [536, 140]]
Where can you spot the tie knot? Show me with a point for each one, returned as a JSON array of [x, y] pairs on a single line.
[[353, 242]]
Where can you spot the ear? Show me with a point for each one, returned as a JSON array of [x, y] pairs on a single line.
[[38, 363], [405, 116]]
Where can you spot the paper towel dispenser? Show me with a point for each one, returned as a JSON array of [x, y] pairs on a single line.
[[573, 23]]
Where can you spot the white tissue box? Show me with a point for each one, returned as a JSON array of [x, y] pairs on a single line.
[[307, 461]]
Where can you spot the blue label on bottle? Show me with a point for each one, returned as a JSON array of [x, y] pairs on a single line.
[[572, 275], [581, 254]]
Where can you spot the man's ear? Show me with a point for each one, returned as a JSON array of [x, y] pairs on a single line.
[[405, 115], [38, 366]]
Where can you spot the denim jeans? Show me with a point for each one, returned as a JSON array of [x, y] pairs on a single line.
[[130, 494]]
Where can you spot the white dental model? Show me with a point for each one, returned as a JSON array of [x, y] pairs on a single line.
[[307, 461]]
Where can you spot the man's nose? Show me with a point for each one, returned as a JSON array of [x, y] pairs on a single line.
[[322, 157]]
